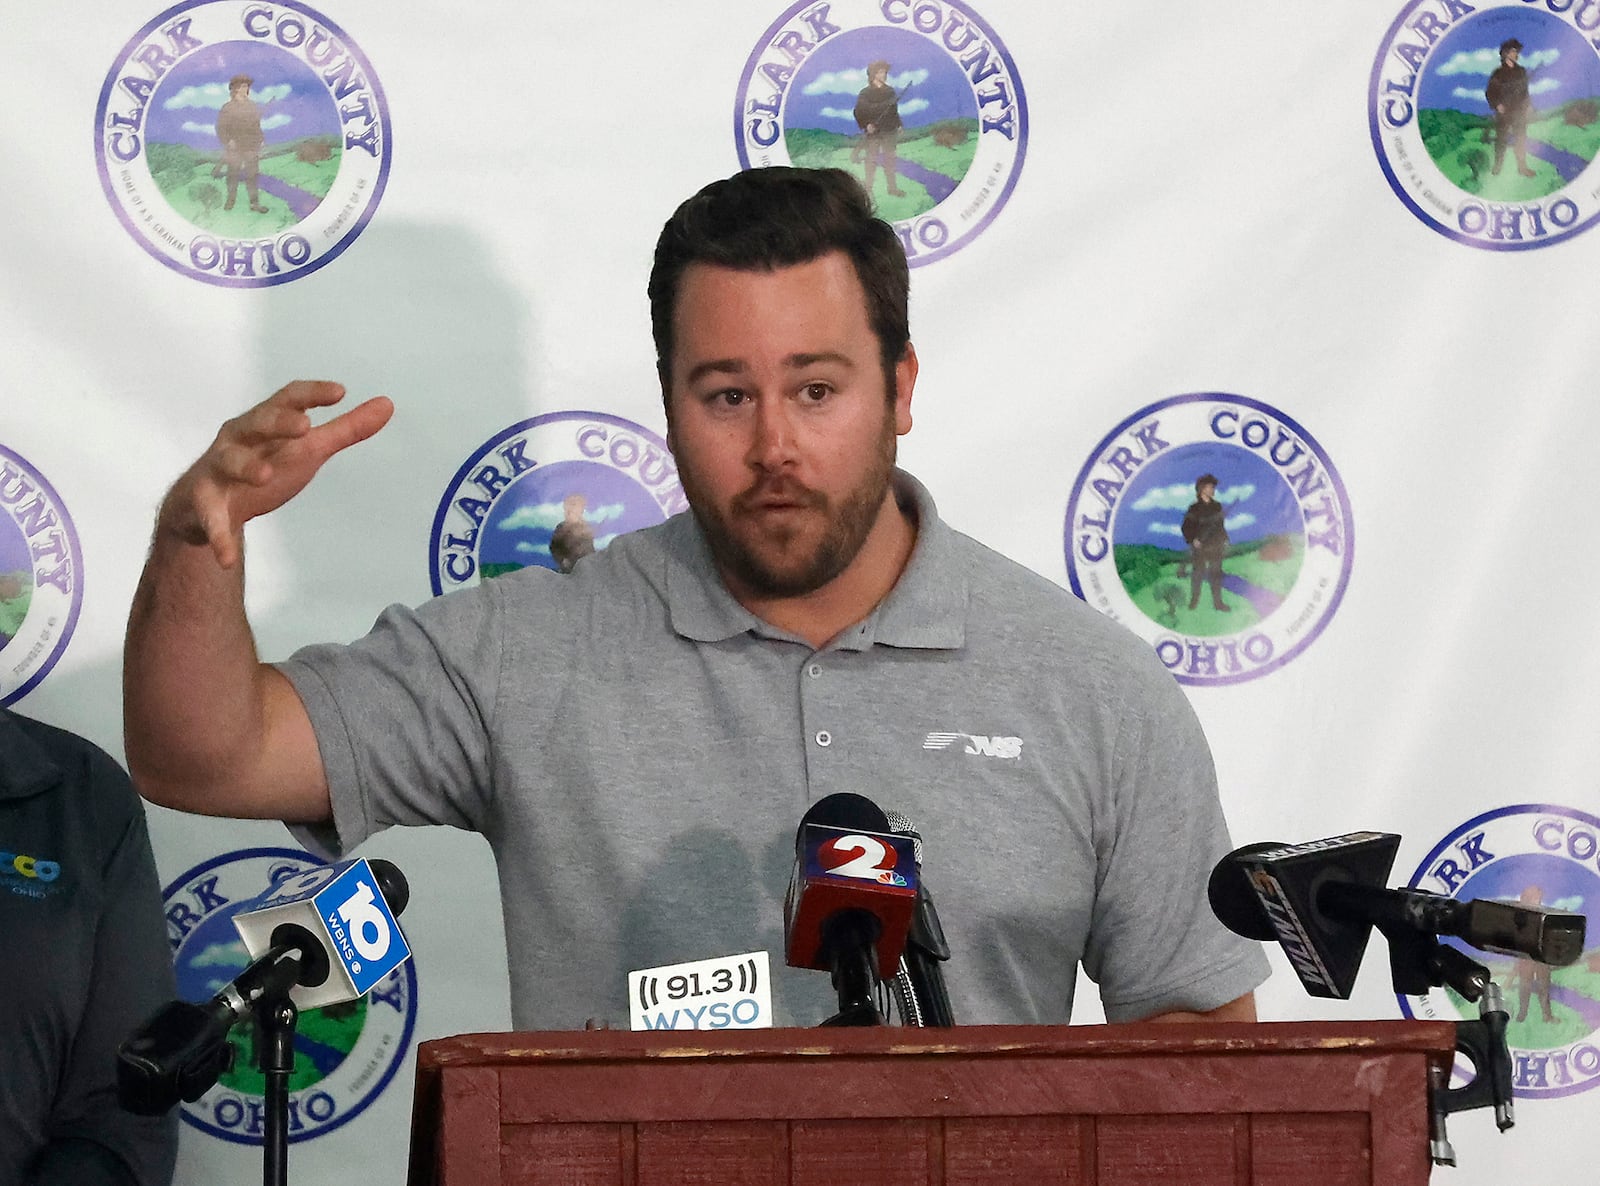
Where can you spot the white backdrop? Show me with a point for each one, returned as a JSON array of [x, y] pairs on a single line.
[[1197, 206]]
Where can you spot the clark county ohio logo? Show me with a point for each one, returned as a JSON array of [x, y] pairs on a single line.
[[243, 144], [344, 1055], [1532, 855], [1485, 118], [917, 98], [1215, 527], [548, 492], [40, 577]]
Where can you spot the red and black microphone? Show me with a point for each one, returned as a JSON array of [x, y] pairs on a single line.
[[851, 901]]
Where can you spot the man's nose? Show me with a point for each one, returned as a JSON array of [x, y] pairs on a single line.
[[773, 441]]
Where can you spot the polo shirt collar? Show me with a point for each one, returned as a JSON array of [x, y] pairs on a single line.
[[926, 609], [25, 769]]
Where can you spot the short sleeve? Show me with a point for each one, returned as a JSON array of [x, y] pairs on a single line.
[[1154, 945], [404, 716]]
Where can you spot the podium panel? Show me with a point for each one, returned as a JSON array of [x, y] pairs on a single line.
[[1290, 1104]]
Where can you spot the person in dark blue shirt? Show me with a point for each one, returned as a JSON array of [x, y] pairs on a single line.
[[86, 960]]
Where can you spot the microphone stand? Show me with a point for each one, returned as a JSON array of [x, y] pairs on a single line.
[[851, 937], [276, 1016], [182, 1050], [919, 985], [1417, 962]]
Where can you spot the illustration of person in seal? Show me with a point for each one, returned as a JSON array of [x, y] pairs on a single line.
[[239, 130], [878, 115], [1507, 96], [573, 538], [1532, 978], [1207, 536]]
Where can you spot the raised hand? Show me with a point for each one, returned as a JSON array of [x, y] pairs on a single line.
[[262, 459]]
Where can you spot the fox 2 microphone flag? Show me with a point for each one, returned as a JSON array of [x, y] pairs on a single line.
[[349, 911]]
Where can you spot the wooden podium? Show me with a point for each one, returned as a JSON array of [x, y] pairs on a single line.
[[1296, 1104]]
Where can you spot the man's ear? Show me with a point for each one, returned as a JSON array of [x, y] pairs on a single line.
[[905, 381]]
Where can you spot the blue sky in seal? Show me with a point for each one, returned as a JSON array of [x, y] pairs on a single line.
[[1257, 501], [1565, 885], [294, 102], [14, 554], [518, 528], [1561, 63], [931, 85]]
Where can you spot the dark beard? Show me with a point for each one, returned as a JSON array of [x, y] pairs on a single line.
[[847, 529]]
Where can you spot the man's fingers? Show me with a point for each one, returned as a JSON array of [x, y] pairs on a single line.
[[240, 463], [267, 421], [212, 513], [308, 393], [356, 425]]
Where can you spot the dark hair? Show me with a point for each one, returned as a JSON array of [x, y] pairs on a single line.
[[760, 220], [240, 80], [1205, 480], [1509, 44]]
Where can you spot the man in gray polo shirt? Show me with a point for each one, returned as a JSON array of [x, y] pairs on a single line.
[[638, 739]]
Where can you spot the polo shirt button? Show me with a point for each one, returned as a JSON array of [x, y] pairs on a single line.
[[814, 670], [824, 738]]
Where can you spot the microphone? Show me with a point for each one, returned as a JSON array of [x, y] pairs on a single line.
[[1320, 901], [919, 984], [317, 938], [850, 900], [179, 1052], [346, 910]]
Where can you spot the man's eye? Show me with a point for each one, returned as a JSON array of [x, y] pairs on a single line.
[[817, 391], [731, 398]]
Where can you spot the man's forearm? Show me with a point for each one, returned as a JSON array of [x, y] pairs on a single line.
[[192, 702], [207, 726]]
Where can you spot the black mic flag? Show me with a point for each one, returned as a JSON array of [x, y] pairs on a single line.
[[1269, 892], [1320, 901]]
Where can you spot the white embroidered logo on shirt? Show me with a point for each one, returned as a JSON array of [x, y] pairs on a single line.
[[989, 747]]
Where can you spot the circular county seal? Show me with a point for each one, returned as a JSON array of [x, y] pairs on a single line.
[[243, 144], [1215, 527], [548, 492], [41, 572], [917, 98], [1538, 855], [1485, 118], [344, 1055]]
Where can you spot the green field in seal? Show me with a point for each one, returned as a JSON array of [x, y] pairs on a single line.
[[195, 183], [336, 1028], [1535, 1033], [16, 594], [947, 147], [1462, 145], [1157, 581]]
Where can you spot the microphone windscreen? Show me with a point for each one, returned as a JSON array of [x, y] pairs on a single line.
[[1234, 900], [391, 883], [845, 809]]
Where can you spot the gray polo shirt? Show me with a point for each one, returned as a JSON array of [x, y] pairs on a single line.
[[638, 749]]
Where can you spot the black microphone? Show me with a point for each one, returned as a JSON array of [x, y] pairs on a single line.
[[850, 901], [920, 985], [180, 1051], [1320, 901], [317, 938]]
